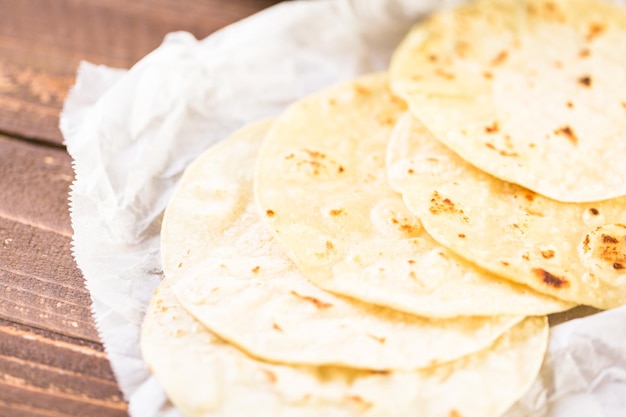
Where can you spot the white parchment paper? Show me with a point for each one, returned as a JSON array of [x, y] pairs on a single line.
[[132, 133]]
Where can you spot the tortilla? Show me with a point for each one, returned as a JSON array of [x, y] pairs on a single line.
[[204, 376], [235, 279], [575, 252], [530, 91], [321, 186]]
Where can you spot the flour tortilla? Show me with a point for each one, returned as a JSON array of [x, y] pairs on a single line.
[[204, 376], [321, 185], [576, 252], [531, 91], [235, 279]]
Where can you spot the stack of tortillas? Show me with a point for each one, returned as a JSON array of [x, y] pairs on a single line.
[[391, 246]]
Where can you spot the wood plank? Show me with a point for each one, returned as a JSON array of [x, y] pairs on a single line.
[[45, 378], [59, 404], [47, 374], [42, 42], [35, 183], [21, 410], [54, 350], [41, 285]]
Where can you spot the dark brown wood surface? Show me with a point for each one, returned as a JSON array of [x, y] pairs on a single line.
[[52, 363]]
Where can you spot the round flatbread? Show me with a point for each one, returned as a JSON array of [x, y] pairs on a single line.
[[531, 91], [321, 185], [205, 376], [235, 279], [575, 252]]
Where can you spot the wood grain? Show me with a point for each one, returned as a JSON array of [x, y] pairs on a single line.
[[44, 373], [35, 183], [46, 290], [42, 42]]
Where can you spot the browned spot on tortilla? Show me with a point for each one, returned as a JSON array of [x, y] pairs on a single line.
[[454, 413], [340, 169], [335, 212], [505, 263], [552, 12], [410, 171], [585, 80], [358, 399], [432, 58], [379, 339], [409, 228], [180, 265], [290, 156], [594, 30], [584, 53], [359, 89], [618, 265], [269, 213], [500, 58], [444, 74], [411, 261], [256, 269], [570, 105], [271, 376], [317, 162], [438, 205], [379, 372], [487, 75], [550, 6], [398, 101], [461, 235], [318, 303], [550, 279], [624, 104], [493, 128], [505, 153], [530, 196], [385, 120], [558, 64], [276, 327], [586, 246], [526, 256], [315, 154], [568, 132], [612, 249], [594, 211], [316, 167], [332, 101], [500, 151], [547, 254], [533, 212], [329, 245]]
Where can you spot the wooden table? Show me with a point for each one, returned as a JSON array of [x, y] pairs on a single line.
[[52, 363]]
